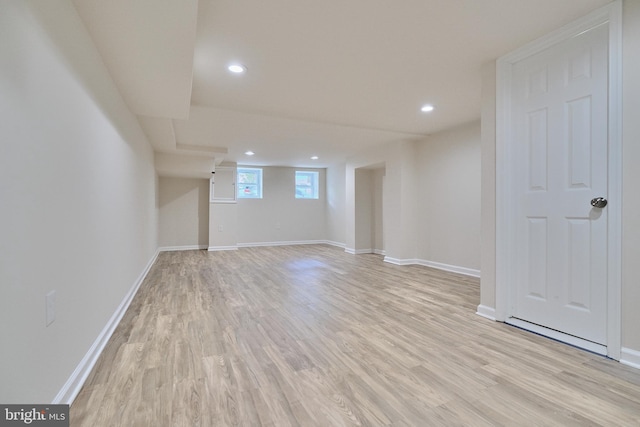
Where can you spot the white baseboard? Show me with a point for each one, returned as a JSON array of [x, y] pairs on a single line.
[[363, 251], [438, 265], [399, 261], [379, 251], [452, 268], [182, 248], [358, 251], [222, 248], [71, 388], [267, 244], [630, 357], [487, 312], [282, 243], [332, 243]]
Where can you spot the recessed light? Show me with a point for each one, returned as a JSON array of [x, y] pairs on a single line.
[[314, 157], [426, 108], [237, 68], [249, 153]]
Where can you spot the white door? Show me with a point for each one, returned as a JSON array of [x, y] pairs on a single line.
[[559, 124]]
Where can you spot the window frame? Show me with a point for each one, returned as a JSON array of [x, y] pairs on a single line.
[[315, 185], [258, 184]]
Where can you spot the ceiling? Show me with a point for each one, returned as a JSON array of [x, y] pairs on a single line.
[[324, 78]]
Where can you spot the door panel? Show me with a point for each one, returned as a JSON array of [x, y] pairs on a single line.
[[559, 125]]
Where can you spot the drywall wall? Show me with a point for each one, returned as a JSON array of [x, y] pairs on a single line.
[[77, 186], [398, 200], [425, 197], [223, 226], [184, 213], [364, 211], [630, 179], [369, 207], [335, 207], [448, 197], [377, 187], [280, 217], [488, 192]]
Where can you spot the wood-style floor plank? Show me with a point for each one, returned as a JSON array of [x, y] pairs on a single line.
[[312, 336]]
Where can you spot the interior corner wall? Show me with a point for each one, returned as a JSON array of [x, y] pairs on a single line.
[[630, 178], [399, 206], [363, 211], [377, 184], [77, 185], [488, 185], [279, 217], [335, 213], [403, 240], [448, 197], [184, 212]]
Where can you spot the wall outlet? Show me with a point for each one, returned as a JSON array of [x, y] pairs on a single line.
[[50, 307], [277, 226], [220, 228]]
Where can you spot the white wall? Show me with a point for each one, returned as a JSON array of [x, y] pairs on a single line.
[[488, 185], [448, 197], [390, 155], [630, 181], [223, 226], [406, 223], [377, 185], [400, 194], [336, 199], [364, 211], [279, 216], [399, 206], [77, 188], [184, 212], [369, 210]]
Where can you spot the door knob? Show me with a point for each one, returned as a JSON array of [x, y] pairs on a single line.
[[599, 202]]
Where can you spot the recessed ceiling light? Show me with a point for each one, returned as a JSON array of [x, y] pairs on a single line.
[[249, 153], [426, 108], [237, 68], [314, 157]]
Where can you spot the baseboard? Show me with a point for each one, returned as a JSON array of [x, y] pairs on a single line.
[[282, 243], [182, 248], [399, 261], [222, 248], [379, 251], [71, 388], [452, 268], [438, 265], [358, 251], [267, 244], [332, 243], [630, 357], [487, 312]]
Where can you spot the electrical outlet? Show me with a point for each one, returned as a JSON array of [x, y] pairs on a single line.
[[220, 228], [277, 226], [51, 307]]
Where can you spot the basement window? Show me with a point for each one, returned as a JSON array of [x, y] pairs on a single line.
[[306, 185], [249, 183]]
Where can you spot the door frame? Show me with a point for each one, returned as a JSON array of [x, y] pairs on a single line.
[[505, 200]]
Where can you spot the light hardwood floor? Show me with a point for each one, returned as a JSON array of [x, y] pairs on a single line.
[[311, 336]]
